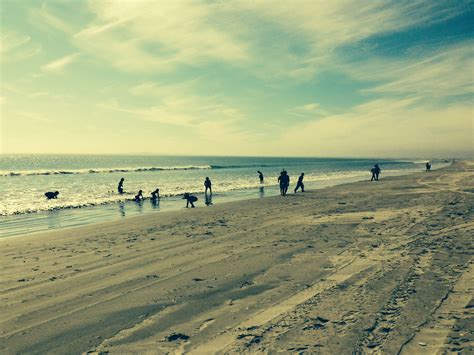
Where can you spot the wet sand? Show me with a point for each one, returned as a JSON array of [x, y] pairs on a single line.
[[373, 267]]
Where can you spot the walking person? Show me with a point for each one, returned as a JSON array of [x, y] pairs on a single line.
[[300, 183], [375, 173], [208, 185], [260, 176]]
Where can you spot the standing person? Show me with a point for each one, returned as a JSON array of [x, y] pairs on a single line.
[[155, 195], [300, 183], [377, 171], [120, 186], [208, 185], [428, 166], [139, 196], [280, 181], [287, 182], [260, 176], [284, 180]]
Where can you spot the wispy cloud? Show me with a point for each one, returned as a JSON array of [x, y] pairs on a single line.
[[386, 127], [11, 40], [143, 35], [256, 64], [43, 18], [320, 28], [16, 47], [59, 64], [444, 73], [33, 116], [208, 118], [308, 110]]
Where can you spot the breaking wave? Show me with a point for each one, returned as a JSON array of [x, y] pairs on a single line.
[[123, 170], [99, 171]]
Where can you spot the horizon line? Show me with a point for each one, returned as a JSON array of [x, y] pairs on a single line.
[[450, 157]]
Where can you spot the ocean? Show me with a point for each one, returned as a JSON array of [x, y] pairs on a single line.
[[88, 184]]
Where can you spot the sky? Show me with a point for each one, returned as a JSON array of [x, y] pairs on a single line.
[[363, 78]]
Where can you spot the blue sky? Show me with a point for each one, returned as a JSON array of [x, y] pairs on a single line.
[[281, 78]]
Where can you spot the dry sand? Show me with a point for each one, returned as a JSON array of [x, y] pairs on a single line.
[[372, 267]]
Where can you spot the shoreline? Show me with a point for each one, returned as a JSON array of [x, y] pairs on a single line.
[[39, 222], [368, 267]]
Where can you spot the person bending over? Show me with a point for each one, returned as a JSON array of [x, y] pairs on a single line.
[[139, 196], [190, 199], [50, 195]]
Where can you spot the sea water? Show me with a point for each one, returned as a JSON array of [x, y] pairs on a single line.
[[87, 184]]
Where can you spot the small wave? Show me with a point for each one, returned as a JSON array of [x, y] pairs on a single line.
[[256, 166], [99, 171], [125, 170]]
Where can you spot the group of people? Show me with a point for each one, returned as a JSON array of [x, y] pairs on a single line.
[[190, 199], [375, 172], [155, 194], [283, 180]]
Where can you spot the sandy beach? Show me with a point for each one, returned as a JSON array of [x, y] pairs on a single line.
[[371, 267]]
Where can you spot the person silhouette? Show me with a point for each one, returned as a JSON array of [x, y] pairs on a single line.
[[155, 195], [375, 173], [120, 186], [208, 185], [260, 176], [428, 166], [190, 199], [300, 183], [139, 196], [51, 195], [284, 180]]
